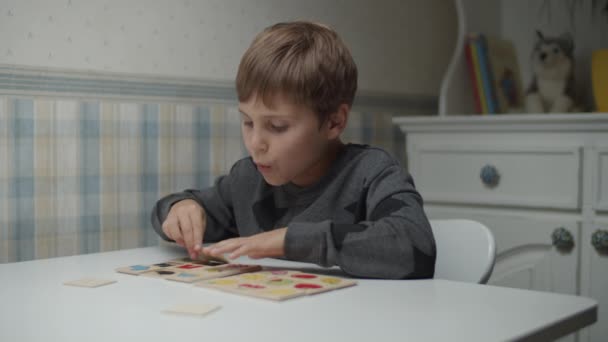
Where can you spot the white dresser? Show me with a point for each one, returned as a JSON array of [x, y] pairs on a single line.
[[539, 182]]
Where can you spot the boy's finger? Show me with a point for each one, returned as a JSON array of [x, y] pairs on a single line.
[[198, 229], [212, 250], [166, 227], [186, 231], [173, 231], [223, 247], [241, 250]]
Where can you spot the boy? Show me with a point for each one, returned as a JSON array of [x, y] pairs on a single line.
[[302, 194]]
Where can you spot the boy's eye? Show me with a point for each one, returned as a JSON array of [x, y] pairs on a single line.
[[278, 128], [248, 123]]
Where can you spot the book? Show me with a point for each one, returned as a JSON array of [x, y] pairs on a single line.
[[473, 77], [506, 78], [487, 75], [495, 75], [476, 67]]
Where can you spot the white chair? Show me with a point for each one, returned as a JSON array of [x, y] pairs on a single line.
[[466, 250]]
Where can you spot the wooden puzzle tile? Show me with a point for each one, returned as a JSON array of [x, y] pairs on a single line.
[[202, 259], [137, 269], [160, 273], [188, 267], [185, 277], [90, 282], [212, 259]]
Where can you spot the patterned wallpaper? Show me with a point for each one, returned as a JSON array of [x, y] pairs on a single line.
[[400, 48], [81, 176]]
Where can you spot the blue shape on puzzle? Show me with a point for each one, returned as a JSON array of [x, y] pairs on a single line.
[[139, 268], [186, 275]]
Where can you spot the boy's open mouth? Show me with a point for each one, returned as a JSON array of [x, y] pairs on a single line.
[[262, 167]]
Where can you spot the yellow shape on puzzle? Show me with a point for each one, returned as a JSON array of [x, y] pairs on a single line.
[[332, 281], [253, 276], [279, 282], [282, 292], [224, 282]]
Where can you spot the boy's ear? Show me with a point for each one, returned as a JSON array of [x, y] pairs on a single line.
[[336, 122]]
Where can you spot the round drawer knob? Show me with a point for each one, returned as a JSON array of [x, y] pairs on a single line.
[[562, 238], [599, 240], [489, 175]]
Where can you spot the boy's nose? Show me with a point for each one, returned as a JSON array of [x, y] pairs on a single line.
[[258, 143]]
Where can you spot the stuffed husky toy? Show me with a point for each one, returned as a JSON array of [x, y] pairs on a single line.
[[552, 88]]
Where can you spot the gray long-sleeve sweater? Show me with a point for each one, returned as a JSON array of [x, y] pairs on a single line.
[[364, 215]]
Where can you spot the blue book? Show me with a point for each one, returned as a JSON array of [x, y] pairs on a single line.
[[486, 75]]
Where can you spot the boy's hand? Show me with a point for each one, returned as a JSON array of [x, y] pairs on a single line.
[[185, 224], [269, 244]]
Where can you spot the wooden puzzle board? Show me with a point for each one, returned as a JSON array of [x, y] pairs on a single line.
[[248, 280], [277, 284], [187, 270]]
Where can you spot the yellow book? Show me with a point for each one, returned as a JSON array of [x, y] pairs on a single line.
[[599, 76]]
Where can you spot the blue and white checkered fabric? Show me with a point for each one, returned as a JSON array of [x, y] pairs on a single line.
[[81, 176]]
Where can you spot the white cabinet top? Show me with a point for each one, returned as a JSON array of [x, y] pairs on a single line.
[[571, 122]]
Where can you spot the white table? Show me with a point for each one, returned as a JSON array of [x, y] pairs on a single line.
[[35, 306]]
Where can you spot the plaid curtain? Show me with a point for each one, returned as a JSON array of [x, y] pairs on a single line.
[[80, 176]]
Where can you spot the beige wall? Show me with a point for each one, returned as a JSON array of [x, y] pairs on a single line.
[[400, 46]]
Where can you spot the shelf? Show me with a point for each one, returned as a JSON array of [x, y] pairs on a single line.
[[563, 122]]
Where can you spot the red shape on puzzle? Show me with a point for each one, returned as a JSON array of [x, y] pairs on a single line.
[[308, 286], [189, 266], [304, 276]]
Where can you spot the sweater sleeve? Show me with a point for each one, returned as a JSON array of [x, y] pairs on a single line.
[[395, 241], [217, 203]]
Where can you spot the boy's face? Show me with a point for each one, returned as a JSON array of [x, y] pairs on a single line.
[[286, 142]]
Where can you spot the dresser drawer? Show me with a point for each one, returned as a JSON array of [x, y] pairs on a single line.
[[600, 179], [524, 176]]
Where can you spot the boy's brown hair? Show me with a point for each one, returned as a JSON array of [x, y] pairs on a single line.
[[306, 62]]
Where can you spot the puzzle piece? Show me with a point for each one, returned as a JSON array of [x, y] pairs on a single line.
[[159, 273], [212, 259], [89, 282], [140, 269], [188, 270], [203, 259]]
